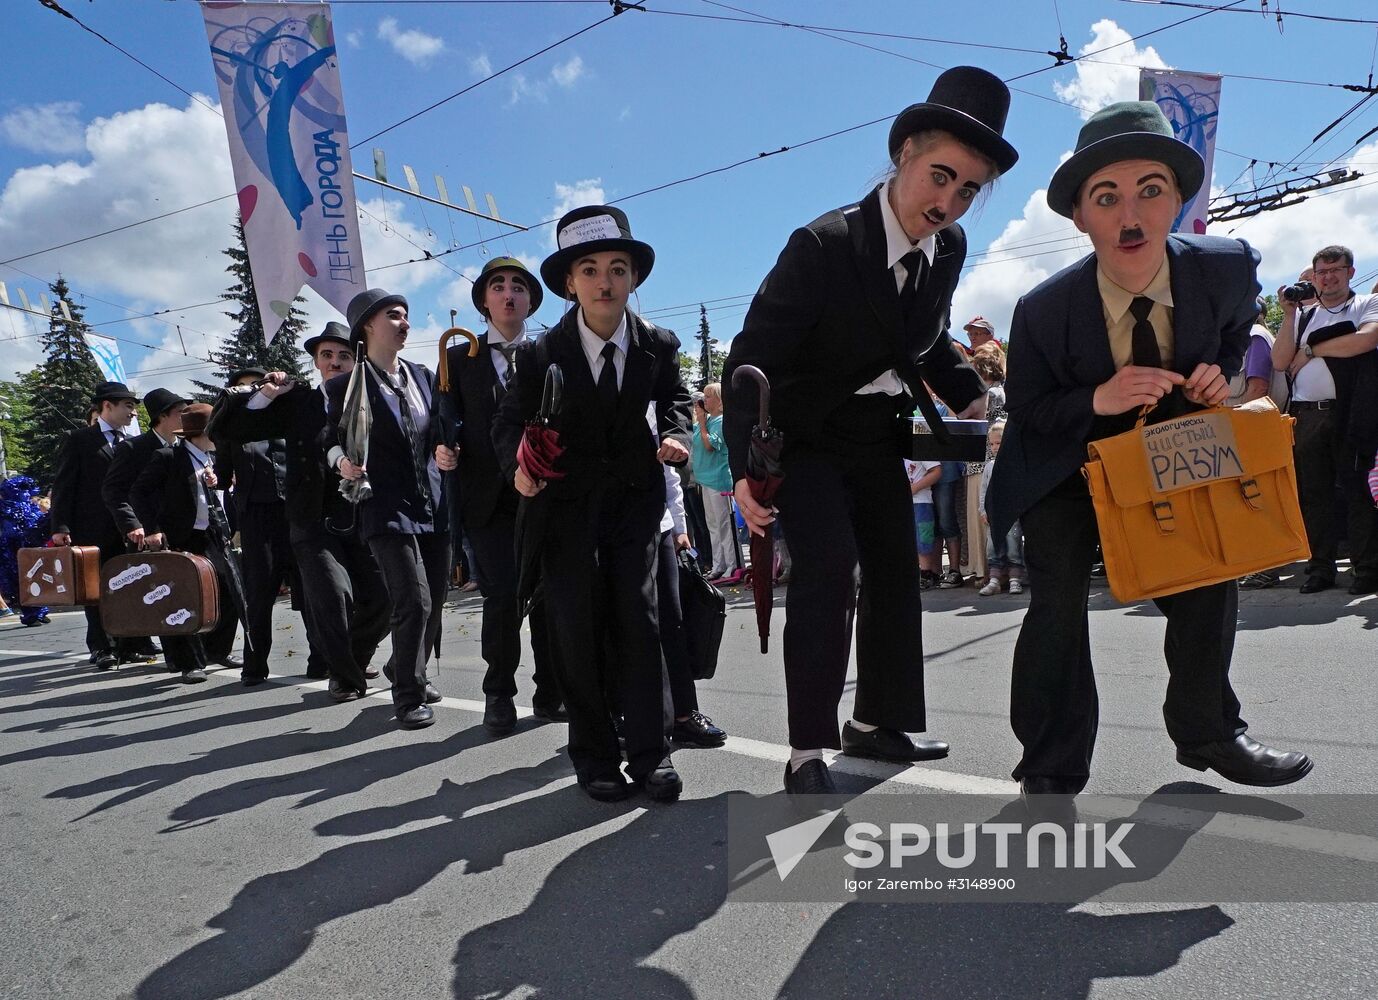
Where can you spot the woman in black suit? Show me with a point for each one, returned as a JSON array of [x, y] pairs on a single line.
[[403, 521]]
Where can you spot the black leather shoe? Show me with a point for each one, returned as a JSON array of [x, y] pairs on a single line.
[[499, 715], [556, 714], [433, 694], [104, 660], [233, 662], [613, 788], [1049, 800], [252, 680], [1363, 585], [1247, 762], [317, 675], [137, 656], [418, 717], [341, 693], [889, 744], [1315, 584], [812, 778], [371, 672], [194, 676], [698, 731], [663, 784]]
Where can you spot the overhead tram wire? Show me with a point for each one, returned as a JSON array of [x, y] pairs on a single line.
[[1312, 17]]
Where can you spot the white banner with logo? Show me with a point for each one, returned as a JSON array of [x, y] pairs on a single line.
[[278, 72], [1191, 102], [106, 351]]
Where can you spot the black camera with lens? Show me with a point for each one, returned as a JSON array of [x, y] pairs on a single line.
[[1299, 292]]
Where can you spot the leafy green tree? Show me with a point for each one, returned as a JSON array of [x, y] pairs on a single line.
[[14, 414]]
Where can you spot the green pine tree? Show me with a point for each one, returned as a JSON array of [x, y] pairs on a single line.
[[57, 394], [246, 347], [14, 415]]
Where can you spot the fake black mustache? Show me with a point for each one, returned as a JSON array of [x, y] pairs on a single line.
[[1134, 235]]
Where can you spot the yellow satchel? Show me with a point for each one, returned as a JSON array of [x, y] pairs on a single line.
[[1196, 500]]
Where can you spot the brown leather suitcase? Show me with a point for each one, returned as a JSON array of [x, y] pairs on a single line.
[[159, 593], [59, 576]]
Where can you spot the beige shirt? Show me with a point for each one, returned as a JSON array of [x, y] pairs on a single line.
[[1119, 321]]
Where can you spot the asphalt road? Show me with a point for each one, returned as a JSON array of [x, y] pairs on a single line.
[[162, 841]]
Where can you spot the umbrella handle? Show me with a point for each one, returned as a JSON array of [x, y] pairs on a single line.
[[763, 386], [552, 392], [442, 367]]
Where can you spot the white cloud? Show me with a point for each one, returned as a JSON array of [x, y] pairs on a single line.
[[521, 88], [417, 47], [480, 66], [1113, 76], [355, 39], [45, 128], [565, 74], [571, 196]]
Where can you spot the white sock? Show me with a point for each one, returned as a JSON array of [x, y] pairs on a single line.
[[863, 727], [798, 758]]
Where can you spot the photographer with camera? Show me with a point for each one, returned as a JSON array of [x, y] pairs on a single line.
[[708, 458], [1328, 352]]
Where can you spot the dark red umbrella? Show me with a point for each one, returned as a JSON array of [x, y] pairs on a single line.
[[538, 453], [763, 477]]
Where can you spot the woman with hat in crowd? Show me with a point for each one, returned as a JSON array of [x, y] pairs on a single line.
[[602, 519], [848, 325], [403, 519]]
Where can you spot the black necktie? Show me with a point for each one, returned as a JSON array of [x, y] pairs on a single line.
[[116, 436], [607, 381], [509, 354], [915, 266], [414, 441], [1144, 351]]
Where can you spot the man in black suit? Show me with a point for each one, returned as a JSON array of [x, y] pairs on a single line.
[[78, 514], [596, 551], [175, 499], [505, 293], [346, 606], [164, 409], [1147, 319], [847, 327]]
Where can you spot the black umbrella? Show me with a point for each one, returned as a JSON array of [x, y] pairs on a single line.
[[537, 454], [764, 474]]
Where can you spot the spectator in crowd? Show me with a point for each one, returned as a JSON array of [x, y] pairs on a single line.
[[1255, 380], [1007, 551], [947, 528], [922, 478], [23, 525], [980, 332], [709, 458]]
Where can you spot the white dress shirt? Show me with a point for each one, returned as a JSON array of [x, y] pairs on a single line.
[[492, 340], [897, 244], [202, 463], [593, 347], [109, 430]]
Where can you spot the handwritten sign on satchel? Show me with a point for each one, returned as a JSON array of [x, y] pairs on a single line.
[[1190, 451]]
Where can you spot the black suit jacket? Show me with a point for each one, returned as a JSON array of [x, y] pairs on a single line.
[[594, 451], [128, 461], [1060, 352], [164, 496], [396, 506], [476, 394], [826, 321], [78, 507]]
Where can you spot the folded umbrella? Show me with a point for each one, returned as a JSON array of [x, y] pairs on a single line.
[[445, 405], [356, 423], [537, 453], [763, 477]]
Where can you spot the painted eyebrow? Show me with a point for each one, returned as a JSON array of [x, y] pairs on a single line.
[[590, 260], [1101, 184], [1149, 177], [945, 169]]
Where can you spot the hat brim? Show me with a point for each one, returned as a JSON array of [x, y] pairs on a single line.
[[555, 268], [1184, 162], [311, 343], [356, 331], [977, 135], [115, 397], [476, 293]]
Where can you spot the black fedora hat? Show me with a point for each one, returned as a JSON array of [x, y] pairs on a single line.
[[593, 229], [112, 391], [364, 305], [337, 332], [968, 102], [239, 373], [505, 264], [1130, 130], [159, 401]]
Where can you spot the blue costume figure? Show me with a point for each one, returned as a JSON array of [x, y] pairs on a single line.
[[23, 524]]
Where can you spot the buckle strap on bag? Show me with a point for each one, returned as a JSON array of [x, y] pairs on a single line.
[[1162, 513], [1253, 496]]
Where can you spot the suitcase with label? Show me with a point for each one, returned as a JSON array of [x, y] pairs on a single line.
[[159, 593], [59, 576]]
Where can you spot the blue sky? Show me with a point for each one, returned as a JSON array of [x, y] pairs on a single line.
[[89, 140]]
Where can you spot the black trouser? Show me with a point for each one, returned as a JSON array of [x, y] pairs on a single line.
[[598, 570], [266, 555], [674, 645], [187, 652], [1324, 462], [416, 569], [846, 508], [697, 523], [345, 602], [1054, 709], [495, 563], [97, 639]]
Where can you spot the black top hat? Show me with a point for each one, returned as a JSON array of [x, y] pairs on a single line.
[[159, 401], [112, 391], [968, 102], [337, 332], [1130, 130], [239, 373], [593, 229], [505, 264], [363, 307]]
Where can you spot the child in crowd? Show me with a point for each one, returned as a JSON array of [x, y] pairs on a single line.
[[1006, 552], [922, 477]]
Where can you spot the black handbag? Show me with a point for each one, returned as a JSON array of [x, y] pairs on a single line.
[[704, 610]]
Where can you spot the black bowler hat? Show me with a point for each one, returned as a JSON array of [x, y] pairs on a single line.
[[159, 401], [113, 391], [363, 307], [967, 102], [239, 373], [1130, 130], [505, 264], [588, 230], [337, 332]]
